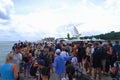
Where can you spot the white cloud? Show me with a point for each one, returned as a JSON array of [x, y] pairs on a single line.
[[95, 19], [6, 7]]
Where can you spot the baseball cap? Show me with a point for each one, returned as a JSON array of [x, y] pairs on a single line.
[[57, 51]]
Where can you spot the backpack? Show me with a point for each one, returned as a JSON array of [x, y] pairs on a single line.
[[33, 70], [102, 52], [46, 58], [97, 52]]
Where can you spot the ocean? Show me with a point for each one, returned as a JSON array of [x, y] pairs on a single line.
[[5, 47]]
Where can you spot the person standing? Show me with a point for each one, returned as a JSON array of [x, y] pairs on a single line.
[[45, 56], [17, 58], [8, 70], [59, 65], [97, 61], [27, 58], [89, 58], [109, 54]]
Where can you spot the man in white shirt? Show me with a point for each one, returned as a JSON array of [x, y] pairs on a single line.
[[17, 58]]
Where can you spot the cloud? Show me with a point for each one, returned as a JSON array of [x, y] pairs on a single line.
[[93, 19], [6, 7]]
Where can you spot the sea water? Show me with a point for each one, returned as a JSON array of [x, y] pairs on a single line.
[[5, 48]]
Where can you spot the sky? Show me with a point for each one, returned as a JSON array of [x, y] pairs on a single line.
[[36, 19]]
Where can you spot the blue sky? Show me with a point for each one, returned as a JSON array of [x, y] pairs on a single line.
[[35, 19]]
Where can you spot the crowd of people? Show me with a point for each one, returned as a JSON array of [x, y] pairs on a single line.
[[67, 61]]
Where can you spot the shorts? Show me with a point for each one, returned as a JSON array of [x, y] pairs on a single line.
[[88, 58], [27, 67], [97, 62], [79, 58]]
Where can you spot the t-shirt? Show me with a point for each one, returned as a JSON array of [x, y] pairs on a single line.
[[88, 51], [74, 61], [17, 60], [92, 49]]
